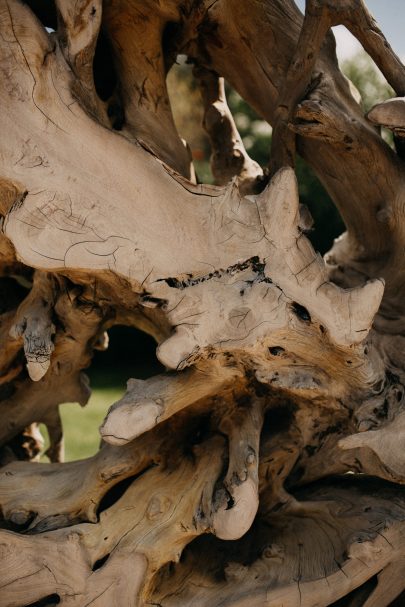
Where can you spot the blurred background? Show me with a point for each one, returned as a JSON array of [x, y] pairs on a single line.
[[131, 353]]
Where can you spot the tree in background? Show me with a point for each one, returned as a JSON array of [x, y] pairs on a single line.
[[222, 480], [188, 112]]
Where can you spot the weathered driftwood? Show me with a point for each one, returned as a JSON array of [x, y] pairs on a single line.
[[284, 371]]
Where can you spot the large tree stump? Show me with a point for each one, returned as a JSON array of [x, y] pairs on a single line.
[[224, 480]]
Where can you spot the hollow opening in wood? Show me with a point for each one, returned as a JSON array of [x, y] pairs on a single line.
[[130, 353], [327, 221], [187, 108], [276, 350], [117, 491], [46, 601], [301, 312], [104, 73], [100, 562], [278, 418]]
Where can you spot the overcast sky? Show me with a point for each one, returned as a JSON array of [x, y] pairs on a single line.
[[390, 15]]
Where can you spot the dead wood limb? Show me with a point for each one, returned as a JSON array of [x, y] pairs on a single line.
[[228, 156]]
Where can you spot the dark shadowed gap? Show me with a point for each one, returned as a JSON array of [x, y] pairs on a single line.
[[47, 601], [399, 601], [106, 80], [130, 353], [170, 43], [357, 597], [278, 419], [105, 77], [328, 223], [45, 10], [117, 491], [100, 562]]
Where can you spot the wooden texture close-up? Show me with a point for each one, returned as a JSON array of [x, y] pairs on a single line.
[[264, 465]]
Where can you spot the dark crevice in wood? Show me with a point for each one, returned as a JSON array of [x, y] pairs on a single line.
[[301, 312], [276, 350], [278, 419], [117, 491], [104, 73], [46, 601], [170, 41], [45, 10], [100, 562], [357, 597]]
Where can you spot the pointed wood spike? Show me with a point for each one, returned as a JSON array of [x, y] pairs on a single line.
[[364, 303], [278, 206]]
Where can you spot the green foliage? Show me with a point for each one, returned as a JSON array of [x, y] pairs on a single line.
[[187, 108], [368, 80], [256, 135]]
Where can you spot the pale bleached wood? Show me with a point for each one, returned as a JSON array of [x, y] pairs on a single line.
[[267, 37], [48, 506], [148, 403], [223, 233], [384, 444], [79, 24], [390, 114], [390, 585], [237, 501], [228, 157]]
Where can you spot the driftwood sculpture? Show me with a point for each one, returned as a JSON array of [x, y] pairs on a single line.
[[265, 467]]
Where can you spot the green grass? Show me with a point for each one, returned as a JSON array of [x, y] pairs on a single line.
[[131, 354], [80, 424]]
